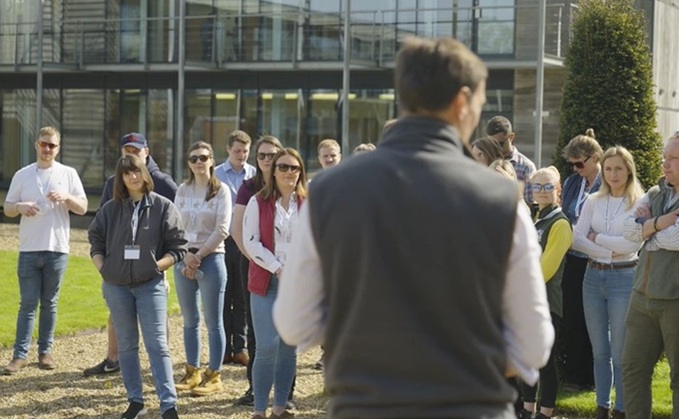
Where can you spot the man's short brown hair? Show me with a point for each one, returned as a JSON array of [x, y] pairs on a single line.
[[49, 132], [240, 136], [499, 124], [430, 72], [328, 143]]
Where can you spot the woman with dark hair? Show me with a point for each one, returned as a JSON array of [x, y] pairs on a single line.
[[582, 153], [132, 261], [265, 150], [205, 207], [486, 150], [269, 222]]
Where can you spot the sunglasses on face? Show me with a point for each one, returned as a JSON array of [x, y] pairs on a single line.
[[203, 158], [547, 187], [265, 156], [282, 167], [44, 144], [579, 164]]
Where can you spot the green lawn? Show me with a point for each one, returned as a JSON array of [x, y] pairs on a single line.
[[582, 404], [82, 307], [81, 304]]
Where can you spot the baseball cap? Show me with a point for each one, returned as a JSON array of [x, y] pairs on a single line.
[[134, 139]]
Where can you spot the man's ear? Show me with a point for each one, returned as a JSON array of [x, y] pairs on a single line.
[[460, 104]]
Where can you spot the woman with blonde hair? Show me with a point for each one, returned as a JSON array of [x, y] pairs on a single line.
[[555, 235], [610, 272], [270, 218]]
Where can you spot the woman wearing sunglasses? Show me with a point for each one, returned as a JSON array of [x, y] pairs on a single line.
[[610, 272], [556, 236], [265, 149], [583, 153], [205, 208], [269, 221]]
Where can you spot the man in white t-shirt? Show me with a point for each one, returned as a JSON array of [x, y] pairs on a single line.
[[42, 193]]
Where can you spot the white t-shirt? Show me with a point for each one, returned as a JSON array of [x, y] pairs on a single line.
[[50, 229]]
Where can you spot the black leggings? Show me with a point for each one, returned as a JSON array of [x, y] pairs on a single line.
[[549, 379]]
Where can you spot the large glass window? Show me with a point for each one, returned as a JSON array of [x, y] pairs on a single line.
[[225, 121], [17, 131]]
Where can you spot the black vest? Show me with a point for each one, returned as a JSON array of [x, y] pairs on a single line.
[[543, 226], [414, 240]]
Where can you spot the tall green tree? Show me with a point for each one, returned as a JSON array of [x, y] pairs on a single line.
[[609, 85]]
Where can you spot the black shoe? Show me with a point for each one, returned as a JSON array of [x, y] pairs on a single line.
[[247, 399], [542, 416], [134, 410], [104, 367], [319, 366], [525, 414], [170, 413]]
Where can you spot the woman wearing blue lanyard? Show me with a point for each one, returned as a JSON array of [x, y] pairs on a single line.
[[205, 207], [583, 154], [131, 260], [610, 272]]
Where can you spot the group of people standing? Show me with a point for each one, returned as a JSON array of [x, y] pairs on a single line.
[[198, 228], [597, 257], [591, 232]]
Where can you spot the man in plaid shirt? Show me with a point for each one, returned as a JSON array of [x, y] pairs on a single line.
[[500, 129]]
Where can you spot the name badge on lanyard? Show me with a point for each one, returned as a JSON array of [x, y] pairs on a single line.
[[133, 251]]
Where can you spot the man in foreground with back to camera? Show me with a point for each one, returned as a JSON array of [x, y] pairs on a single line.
[[422, 276]]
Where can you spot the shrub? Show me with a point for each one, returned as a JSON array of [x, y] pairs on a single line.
[[609, 85]]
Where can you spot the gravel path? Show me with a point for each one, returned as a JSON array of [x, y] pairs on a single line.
[[66, 393]]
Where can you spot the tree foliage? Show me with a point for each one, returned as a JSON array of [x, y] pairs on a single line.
[[609, 85]]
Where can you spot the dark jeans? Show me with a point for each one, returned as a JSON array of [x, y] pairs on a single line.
[[252, 343], [549, 379], [234, 305], [574, 341]]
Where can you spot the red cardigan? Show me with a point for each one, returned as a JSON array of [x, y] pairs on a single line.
[[258, 277]]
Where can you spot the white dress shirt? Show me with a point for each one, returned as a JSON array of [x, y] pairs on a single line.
[[300, 312]]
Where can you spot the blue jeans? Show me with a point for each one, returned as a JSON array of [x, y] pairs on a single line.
[[40, 275], [275, 362], [211, 290], [606, 295], [146, 304]]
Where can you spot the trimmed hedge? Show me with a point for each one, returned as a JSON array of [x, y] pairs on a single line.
[[609, 85]]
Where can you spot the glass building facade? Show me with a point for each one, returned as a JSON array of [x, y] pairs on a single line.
[[182, 71]]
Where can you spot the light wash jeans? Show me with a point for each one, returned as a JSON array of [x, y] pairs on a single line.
[[211, 290], [605, 296], [275, 362], [146, 304], [40, 275]]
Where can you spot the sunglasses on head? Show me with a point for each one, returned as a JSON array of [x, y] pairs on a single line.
[[267, 156], [285, 167], [45, 144], [547, 187], [203, 158], [579, 164]]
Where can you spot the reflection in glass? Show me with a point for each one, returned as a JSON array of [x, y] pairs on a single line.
[[83, 133]]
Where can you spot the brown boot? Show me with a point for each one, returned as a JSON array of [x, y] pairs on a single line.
[[46, 362], [616, 414], [241, 358], [191, 379], [601, 413], [212, 383], [14, 367]]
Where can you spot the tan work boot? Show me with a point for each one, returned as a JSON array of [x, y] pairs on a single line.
[[191, 379], [14, 367], [212, 383], [46, 362]]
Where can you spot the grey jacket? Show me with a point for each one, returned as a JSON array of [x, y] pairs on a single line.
[[160, 231]]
